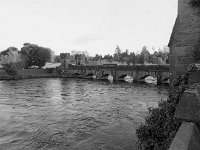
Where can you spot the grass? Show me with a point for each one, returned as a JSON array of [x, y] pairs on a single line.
[[26, 74]]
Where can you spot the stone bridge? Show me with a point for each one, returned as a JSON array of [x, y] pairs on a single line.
[[137, 72]]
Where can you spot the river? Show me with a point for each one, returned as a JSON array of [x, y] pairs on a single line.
[[73, 114]]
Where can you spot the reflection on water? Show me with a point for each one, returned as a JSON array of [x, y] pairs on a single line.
[[73, 114]]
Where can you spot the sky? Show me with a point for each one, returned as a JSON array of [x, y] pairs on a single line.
[[96, 26]]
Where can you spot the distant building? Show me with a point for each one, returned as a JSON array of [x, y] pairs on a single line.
[[80, 59], [77, 59], [65, 60]]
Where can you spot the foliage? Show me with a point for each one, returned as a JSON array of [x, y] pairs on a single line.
[[97, 57], [195, 3], [11, 54], [50, 70], [117, 53], [160, 61], [34, 55], [9, 50], [108, 57], [197, 54], [160, 125], [144, 58], [10, 59], [124, 56], [131, 58], [160, 57], [57, 59], [10, 68]]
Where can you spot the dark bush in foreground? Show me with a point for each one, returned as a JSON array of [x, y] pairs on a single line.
[[34, 55], [197, 54], [10, 68], [160, 125], [195, 3]]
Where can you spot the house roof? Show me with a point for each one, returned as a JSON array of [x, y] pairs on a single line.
[[51, 65]]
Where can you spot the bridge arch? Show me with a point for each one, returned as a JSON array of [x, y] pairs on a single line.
[[122, 76], [90, 74], [105, 75], [75, 74], [137, 72], [143, 77], [125, 77], [165, 78]]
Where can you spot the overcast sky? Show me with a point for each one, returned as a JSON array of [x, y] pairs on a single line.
[[93, 25]]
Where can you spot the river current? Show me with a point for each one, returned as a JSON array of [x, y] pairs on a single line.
[[73, 114]]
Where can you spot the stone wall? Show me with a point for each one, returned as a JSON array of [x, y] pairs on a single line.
[[65, 60], [137, 72], [184, 39], [188, 135]]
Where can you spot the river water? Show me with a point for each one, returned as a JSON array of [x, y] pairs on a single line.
[[73, 114]]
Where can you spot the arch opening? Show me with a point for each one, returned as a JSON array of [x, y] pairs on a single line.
[[165, 78], [126, 78], [122, 76], [105, 75], [143, 77], [76, 74], [89, 74]]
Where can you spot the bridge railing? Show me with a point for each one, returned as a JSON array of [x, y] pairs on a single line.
[[122, 67], [188, 135]]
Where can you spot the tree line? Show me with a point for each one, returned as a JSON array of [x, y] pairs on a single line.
[[29, 55], [144, 57], [158, 57], [35, 55]]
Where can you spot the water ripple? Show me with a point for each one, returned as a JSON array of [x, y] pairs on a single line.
[[73, 114]]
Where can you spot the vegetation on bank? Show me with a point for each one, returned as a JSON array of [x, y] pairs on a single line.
[[159, 57], [195, 3], [28, 74], [197, 54], [34, 55], [160, 125], [12, 59], [30, 55], [144, 57]]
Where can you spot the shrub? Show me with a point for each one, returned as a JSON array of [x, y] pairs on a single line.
[[160, 125], [197, 55], [195, 3], [34, 55], [10, 68], [50, 70]]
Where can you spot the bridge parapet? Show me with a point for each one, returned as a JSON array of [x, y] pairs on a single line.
[[121, 67], [137, 72], [188, 110]]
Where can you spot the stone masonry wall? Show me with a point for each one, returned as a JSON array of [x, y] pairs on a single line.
[[184, 39]]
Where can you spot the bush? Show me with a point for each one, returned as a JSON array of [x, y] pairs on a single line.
[[50, 70], [160, 125], [195, 3], [197, 55], [10, 68], [34, 55]]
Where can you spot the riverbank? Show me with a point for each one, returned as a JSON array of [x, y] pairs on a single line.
[[27, 74]]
